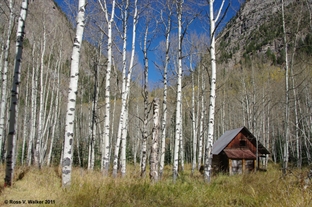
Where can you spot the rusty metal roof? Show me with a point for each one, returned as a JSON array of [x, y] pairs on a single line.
[[228, 136], [240, 154]]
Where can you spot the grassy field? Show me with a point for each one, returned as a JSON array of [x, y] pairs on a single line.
[[92, 189]]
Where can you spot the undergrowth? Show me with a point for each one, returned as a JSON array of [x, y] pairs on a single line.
[[92, 189]]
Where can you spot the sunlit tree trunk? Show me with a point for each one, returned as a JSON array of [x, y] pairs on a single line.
[[194, 134], [124, 142], [179, 94], [4, 79], [34, 83], [154, 147], [71, 103], [287, 133], [93, 124], [13, 116], [212, 99], [122, 130], [181, 144], [56, 111], [164, 113], [123, 88], [41, 104], [201, 124], [106, 135], [146, 110], [25, 130]]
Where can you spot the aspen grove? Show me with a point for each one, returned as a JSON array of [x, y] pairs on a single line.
[[106, 84]]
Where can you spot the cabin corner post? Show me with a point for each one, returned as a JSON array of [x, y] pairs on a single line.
[[230, 167]]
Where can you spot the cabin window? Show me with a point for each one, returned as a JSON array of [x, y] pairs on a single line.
[[242, 143]]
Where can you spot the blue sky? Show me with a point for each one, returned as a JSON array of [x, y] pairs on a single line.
[[197, 27]]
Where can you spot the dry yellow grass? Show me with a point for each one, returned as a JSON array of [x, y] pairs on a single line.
[[92, 189]]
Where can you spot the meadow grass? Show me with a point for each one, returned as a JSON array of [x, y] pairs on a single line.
[[90, 188]]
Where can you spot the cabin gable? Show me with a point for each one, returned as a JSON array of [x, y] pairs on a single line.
[[235, 152]]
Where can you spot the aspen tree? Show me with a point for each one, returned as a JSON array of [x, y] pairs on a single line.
[[71, 103], [34, 83], [25, 131], [154, 148], [122, 128], [194, 134], [41, 103], [165, 79], [146, 110], [123, 87], [212, 97], [201, 124], [106, 135], [13, 115], [3, 103], [287, 133], [56, 109], [179, 94]]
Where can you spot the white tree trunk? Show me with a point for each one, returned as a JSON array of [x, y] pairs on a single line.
[[71, 103], [56, 110], [287, 133], [164, 120], [154, 147], [122, 128], [4, 79], [124, 142], [13, 116], [105, 142], [179, 95], [194, 134], [201, 125], [212, 99], [41, 105], [145, 96], [123, 89], [34, 83], [25, 130]]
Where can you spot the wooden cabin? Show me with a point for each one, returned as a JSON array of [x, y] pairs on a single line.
[[237, 151]]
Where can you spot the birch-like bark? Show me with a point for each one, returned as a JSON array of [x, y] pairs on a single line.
[[93, 124], [34, 83], [56, 110], [124, 142], [71, 103], [179, 94], [146, 111], [181, 155], [41, 105], [194, 134], [287, 133], [122, 128], [164, 113], [13, 115], [5, 80], [123, 88], [212, 97], [25, 131], [201, 125], [106, 135], [154, 147]]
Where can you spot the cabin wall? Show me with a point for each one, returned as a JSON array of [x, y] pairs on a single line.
[[237, 144]]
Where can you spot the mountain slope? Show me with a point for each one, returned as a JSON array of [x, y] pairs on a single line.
[[257, 31]]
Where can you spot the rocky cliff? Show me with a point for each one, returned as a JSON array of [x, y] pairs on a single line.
[[257, 30]]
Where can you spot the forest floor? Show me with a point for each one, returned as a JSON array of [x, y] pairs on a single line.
[[43, 188]]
